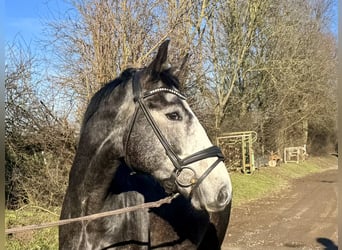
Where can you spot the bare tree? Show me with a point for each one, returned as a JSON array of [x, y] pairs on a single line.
[[98, 39], [39, 144], [232, 42], [270, 60], [301, 69]]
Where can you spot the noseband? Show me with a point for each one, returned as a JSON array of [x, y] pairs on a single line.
[[179, 164]]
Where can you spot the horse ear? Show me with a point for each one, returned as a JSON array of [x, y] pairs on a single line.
[[180, 70], [160, 61]]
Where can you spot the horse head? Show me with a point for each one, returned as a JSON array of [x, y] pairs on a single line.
[[165, 139]]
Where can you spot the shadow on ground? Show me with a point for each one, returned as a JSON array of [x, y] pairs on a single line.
[[327, 243]]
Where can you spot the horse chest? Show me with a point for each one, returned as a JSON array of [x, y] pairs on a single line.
[[163, 235], [147, 230], [167, 227]]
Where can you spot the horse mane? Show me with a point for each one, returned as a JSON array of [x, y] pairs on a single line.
[[105, 91], [165, 76]]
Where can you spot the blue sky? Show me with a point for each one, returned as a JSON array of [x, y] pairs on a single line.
[[24, 22], [25, 17], [22, 17]]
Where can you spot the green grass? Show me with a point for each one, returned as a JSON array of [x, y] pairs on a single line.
[[246, 188], [250, 187], [32, 240], [273, 179]]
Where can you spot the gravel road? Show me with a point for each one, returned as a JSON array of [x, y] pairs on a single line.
[[303, 216]]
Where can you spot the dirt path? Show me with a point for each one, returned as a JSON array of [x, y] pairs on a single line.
[[303, 216]]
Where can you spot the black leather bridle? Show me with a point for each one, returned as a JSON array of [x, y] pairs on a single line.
[[179, 164]]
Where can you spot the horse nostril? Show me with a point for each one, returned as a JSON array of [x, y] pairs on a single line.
[[223, 197]]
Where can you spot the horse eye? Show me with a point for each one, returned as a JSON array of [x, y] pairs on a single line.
[[174, 116]]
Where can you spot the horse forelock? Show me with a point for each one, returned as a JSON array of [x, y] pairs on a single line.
[[170, 80], [165, 77]]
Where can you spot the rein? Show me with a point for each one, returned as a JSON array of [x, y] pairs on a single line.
[[179, 164]]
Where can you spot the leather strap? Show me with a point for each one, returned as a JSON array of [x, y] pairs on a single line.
[[179, 164]]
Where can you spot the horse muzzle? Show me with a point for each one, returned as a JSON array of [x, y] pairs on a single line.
[[214, 192], [221, 201]]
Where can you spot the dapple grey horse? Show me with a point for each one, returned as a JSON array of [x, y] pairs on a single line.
[[141, 142]]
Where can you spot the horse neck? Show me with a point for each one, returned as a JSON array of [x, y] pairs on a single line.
[[108, 124], [101, 147]]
